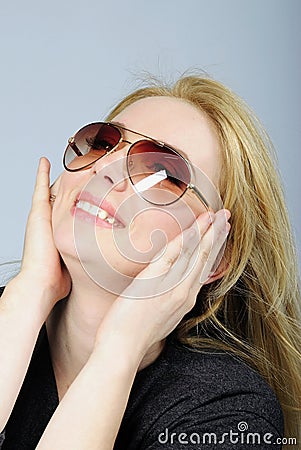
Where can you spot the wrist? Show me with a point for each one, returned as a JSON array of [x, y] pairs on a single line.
[[128, 355], [117, 352], [29, 297]]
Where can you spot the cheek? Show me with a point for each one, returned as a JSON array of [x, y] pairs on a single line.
[[151, 230]]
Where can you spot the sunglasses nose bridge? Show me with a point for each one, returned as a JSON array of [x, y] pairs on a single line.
[[112, 168], [118, 146]]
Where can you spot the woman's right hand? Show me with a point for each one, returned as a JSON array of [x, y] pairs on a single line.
[[28, 299], [41, 263]]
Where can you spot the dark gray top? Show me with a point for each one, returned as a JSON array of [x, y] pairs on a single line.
[[184, 400]]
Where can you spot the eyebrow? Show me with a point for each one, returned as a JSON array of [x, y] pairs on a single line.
[[181, 152]]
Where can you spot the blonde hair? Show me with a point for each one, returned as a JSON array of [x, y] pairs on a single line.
[[254, 310]]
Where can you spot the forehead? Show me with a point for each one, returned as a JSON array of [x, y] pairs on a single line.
[[179, 124]]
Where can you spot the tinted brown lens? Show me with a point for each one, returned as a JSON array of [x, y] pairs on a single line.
[[147, 158], [90, 143]]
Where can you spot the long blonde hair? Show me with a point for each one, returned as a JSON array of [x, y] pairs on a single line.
[[254, 310]]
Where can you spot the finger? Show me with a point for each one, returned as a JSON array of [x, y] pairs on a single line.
[[189, 251], [41, 190], [159, 276], [204, 255], [211, 244], [218, 249], [182, 245]]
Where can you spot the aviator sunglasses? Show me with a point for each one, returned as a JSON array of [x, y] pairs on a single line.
[[159, 173]]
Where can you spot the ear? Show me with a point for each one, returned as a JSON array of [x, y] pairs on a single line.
[[219, 271]]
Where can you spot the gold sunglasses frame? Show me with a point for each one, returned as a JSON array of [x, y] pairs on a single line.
[[189, 186]]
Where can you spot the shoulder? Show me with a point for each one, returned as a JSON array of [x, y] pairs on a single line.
[[218, 379], [215, 372], [187, 391]]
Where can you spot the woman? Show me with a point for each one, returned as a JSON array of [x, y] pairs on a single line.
[[165, 334]]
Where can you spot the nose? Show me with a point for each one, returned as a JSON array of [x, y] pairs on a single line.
[[112, 169]]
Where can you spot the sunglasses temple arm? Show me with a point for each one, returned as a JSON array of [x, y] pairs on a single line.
[[199, 195]]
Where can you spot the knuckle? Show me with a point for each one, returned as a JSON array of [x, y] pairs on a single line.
[[187, 253], [167, 260], [205, 254]]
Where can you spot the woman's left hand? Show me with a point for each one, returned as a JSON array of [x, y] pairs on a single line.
[[133, 325]]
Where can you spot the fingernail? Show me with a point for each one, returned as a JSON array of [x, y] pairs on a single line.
[[227, 214], [207, 217], [223, 214]]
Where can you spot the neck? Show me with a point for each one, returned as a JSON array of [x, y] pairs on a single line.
[[72, 327]]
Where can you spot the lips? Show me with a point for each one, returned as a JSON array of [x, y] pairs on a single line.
[[102, 213]]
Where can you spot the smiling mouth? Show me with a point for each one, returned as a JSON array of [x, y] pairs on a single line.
[[98, 212]]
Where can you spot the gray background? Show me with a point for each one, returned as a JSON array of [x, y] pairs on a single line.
[[65, 63]]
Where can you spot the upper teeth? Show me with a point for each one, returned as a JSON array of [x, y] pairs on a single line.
[[95, 211]]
